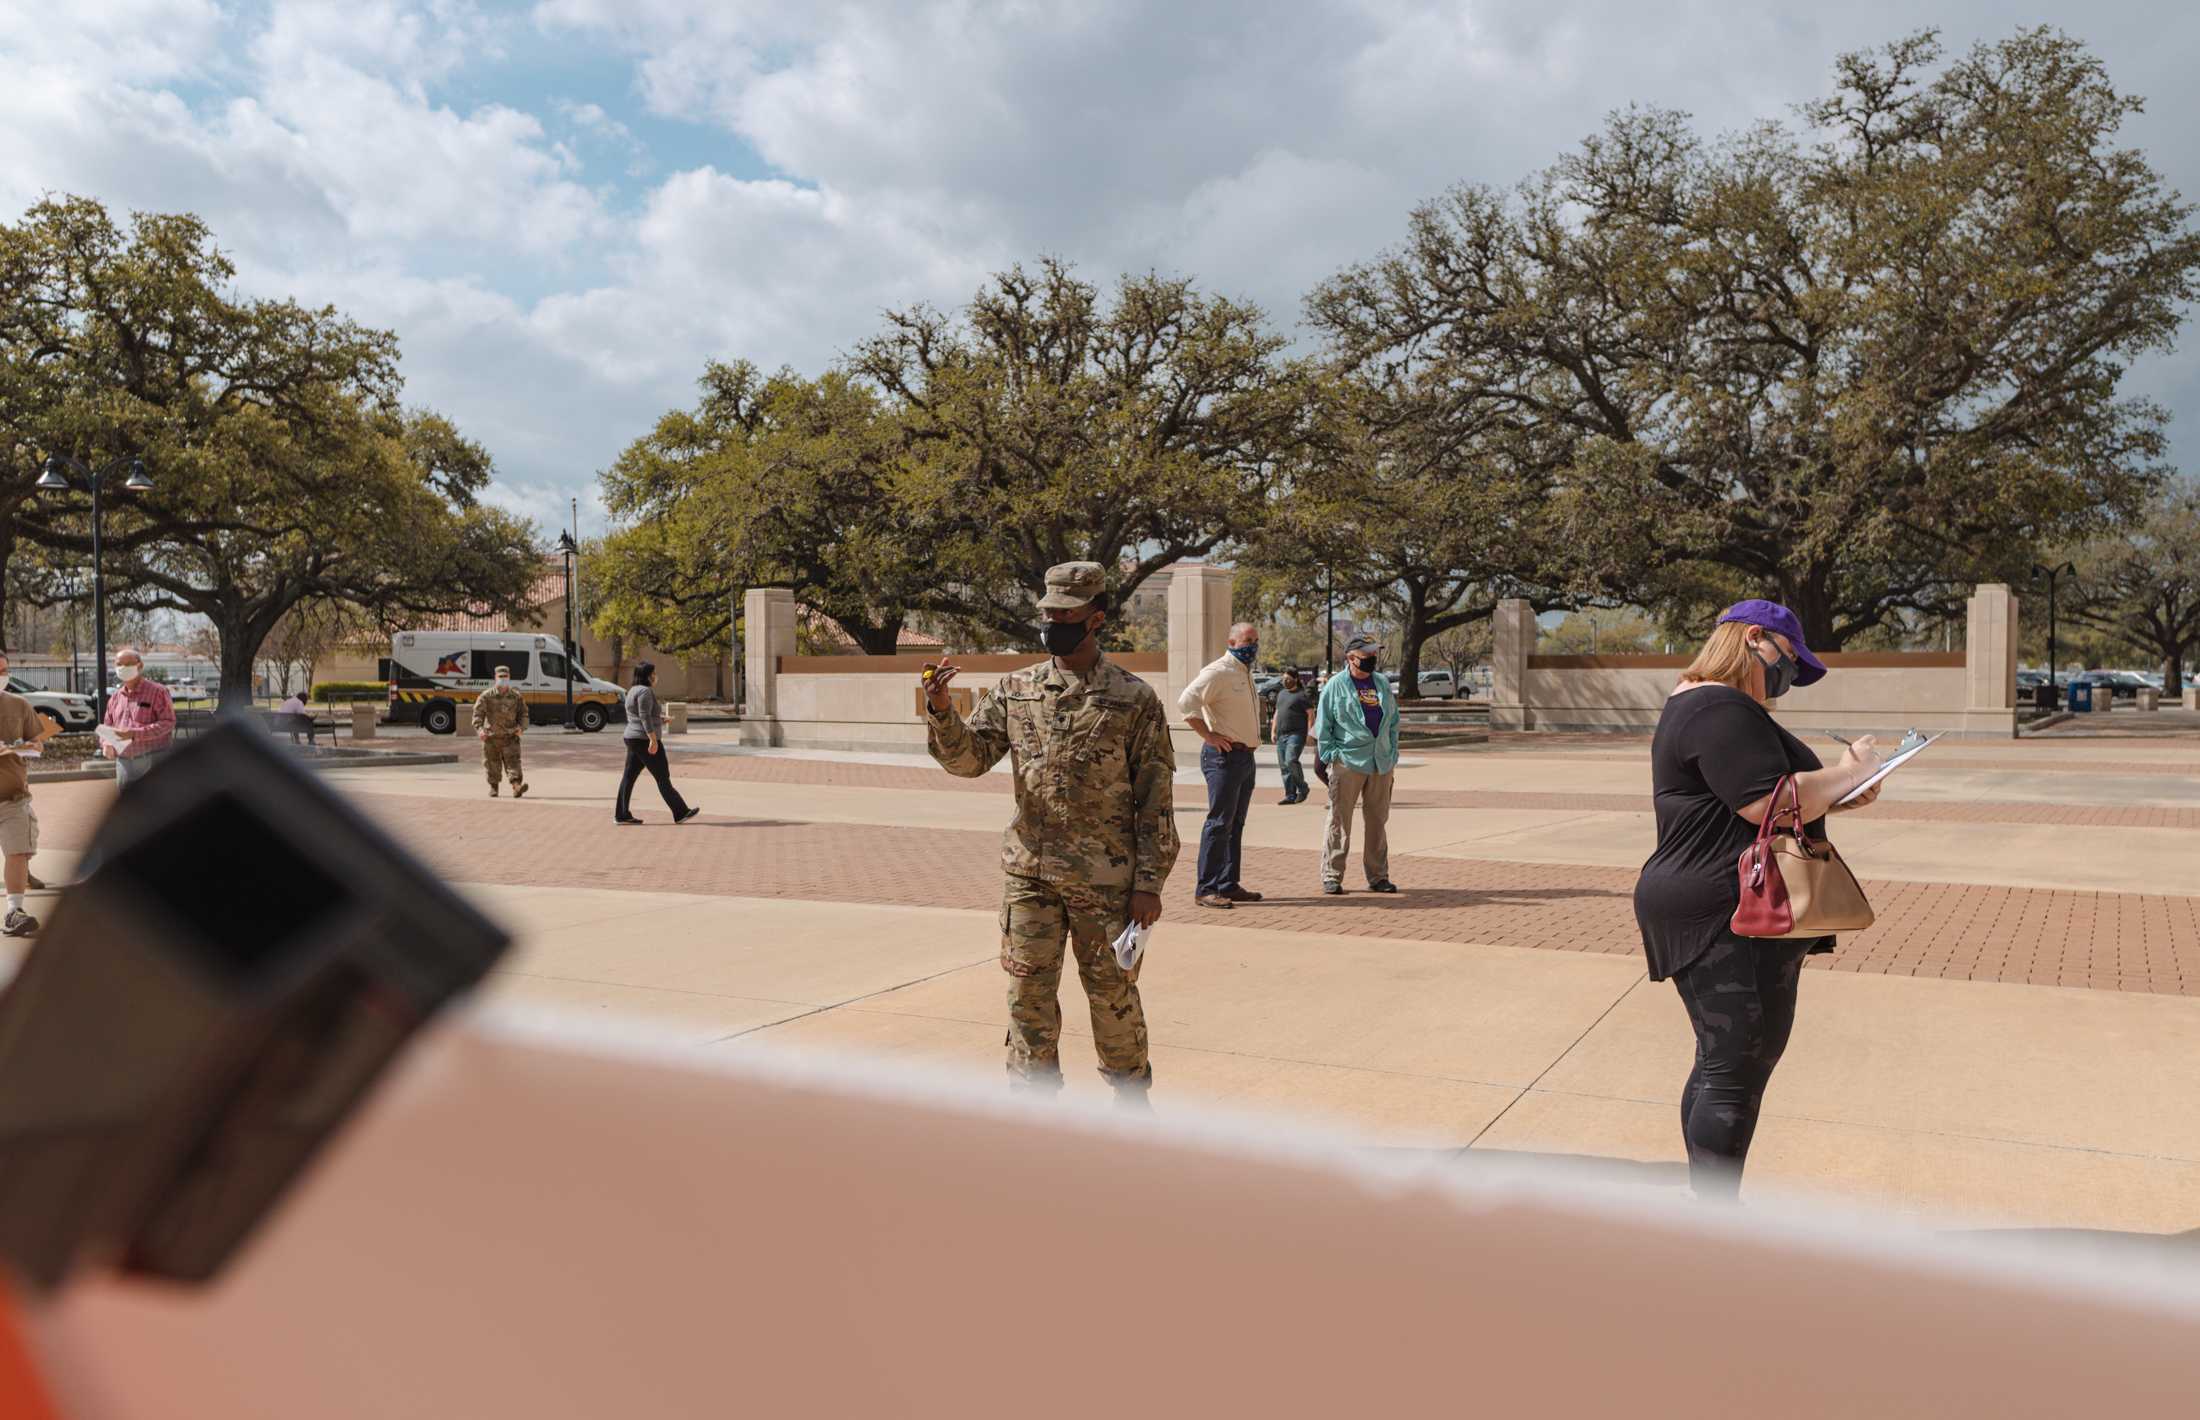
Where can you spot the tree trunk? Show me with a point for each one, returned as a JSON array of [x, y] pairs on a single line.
[[1409, 661], [240, 647], [875, 640], [2173, 671]]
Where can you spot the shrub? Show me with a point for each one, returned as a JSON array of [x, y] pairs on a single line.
[[337, 691]]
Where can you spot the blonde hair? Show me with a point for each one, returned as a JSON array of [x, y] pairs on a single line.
[[1725, 658]]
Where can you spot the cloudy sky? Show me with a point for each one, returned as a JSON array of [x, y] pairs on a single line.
[[565, 207]]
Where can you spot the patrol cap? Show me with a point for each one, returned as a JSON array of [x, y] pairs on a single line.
[[1073, 584]]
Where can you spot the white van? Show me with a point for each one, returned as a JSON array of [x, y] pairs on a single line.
[[435, 676]]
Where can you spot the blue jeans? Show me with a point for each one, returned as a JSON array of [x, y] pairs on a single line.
[[1229, 799], [1288, 750]]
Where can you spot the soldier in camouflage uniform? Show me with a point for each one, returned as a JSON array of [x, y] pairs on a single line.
[[1094, 835], [500, 718]]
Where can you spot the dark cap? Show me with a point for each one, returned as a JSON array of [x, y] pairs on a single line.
[[1771, 616], [1362, 643], [1071, 585]]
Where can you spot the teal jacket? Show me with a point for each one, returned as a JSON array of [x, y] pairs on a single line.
[[1340, 727]]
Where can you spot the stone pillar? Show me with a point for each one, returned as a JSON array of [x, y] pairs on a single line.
[[1513, 639], [1199, 625], [676, 718], [1990, 662], [362, 720], [768, 618]]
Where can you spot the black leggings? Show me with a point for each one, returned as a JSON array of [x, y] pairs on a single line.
[[1740, 996], [639, 758]]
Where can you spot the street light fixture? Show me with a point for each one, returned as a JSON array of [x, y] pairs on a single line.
[[569, 549], [2052, 574], [56, 478]]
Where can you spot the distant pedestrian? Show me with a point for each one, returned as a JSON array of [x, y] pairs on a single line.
[[1294, 716], [1716, 758], [645, 728], [21, 727], [1356, 755], [141, 711], [1222, 708], [298, 716], [500, 718]]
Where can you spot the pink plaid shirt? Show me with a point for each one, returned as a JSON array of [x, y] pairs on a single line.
[[144, 706]]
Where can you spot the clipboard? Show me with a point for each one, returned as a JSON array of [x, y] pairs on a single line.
[[1887, 768]]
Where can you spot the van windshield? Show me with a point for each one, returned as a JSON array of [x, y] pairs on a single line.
[[554, 667]]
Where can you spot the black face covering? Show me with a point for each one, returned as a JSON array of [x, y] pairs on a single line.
[[1779, 674], [1062, 638]]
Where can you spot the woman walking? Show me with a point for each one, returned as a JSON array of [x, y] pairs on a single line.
[[645, 749], [1293, 718], [1714, 762]]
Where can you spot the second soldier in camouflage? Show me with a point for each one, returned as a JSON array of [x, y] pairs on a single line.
[[1094, 835], [500, 718]]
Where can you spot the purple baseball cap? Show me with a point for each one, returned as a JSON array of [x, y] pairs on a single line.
[[1774, 617]]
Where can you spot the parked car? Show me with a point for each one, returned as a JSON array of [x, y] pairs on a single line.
[[2123, 685], [70, 712]]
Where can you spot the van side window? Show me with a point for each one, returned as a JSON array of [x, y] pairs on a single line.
[[554, 668], [486, 663]]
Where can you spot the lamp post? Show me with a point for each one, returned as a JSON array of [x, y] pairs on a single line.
[[2052, 574], [1329, 642], [568, 549], [56, 479]]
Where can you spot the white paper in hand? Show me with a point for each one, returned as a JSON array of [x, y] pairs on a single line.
[[109, 735], [1131, 945]]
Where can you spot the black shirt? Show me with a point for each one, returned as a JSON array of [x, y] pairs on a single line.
[[1716, 750], [1292, 710]]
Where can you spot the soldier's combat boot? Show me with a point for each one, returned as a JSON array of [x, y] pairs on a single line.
[[1131, 1091], [492, 791], [519, 791]]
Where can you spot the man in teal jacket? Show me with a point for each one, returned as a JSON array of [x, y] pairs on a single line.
[[1356, 754]]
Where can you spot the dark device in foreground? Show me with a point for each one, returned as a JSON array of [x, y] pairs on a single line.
[[243, 955]]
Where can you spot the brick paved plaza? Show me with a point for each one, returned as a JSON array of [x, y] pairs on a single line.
[[2010, 1045]]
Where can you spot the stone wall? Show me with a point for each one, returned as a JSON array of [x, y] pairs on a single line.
[[1970, 692]]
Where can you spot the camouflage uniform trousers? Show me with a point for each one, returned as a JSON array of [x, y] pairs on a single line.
[[1035, 918], [499, 756]]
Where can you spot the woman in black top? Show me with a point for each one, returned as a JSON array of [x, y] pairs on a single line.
[[1713, 764]]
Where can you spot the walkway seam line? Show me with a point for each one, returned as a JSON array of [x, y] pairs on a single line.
[[1530, 1087]]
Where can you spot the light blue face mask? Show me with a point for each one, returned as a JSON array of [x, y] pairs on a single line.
[[1245, 654]]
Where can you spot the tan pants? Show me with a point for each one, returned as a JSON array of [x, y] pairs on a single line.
[[1350, 789], [1035, 919]]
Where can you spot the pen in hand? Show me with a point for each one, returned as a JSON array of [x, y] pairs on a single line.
[[1832, 736]]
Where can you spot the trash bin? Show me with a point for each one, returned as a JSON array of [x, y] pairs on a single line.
[[2081, 696], [2045, 696]]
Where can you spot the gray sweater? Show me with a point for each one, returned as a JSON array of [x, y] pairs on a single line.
[[645, 718]]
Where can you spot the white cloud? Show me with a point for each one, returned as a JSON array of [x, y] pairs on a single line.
[[554, 308]]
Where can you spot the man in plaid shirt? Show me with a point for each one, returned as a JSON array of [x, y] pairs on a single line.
[[141, 709]]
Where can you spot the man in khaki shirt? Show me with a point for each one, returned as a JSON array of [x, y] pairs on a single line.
[[1222, 709], [22, 726]]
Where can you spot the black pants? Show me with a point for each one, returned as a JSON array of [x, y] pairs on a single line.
[[1741, 999], [639, 758]]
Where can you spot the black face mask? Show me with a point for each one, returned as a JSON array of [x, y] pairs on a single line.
[[1366, 665], [1062, 638], [1779, 675]]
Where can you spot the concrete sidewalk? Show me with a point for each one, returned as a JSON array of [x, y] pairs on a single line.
[[1990, 1105]]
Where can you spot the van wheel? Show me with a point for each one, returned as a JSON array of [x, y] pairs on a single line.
[[589, 717], [439, 717]]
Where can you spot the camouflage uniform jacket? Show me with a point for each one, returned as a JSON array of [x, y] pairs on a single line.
[[1094, 773], [500, 712]]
